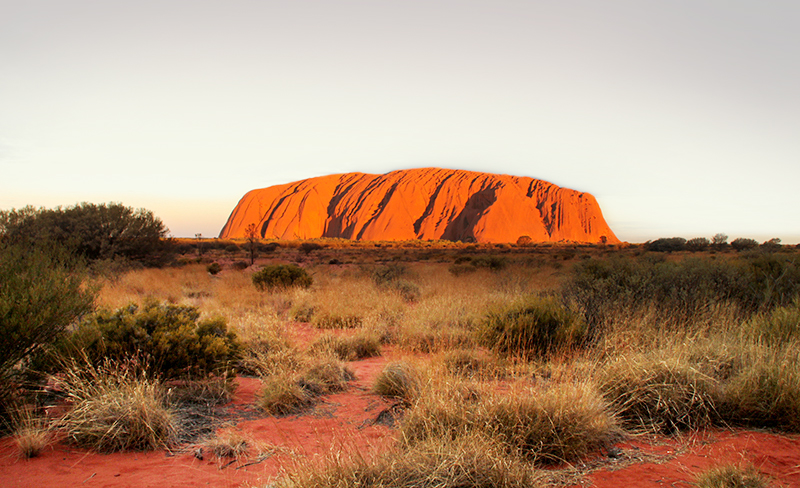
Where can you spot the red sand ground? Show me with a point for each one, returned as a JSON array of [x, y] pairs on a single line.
[[346, 422]]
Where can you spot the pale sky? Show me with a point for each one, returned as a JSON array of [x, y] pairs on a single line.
[[682, 117]]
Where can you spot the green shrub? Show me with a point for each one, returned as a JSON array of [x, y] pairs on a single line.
[[536, 325], [40, 295], [92, 231], [281, 276], [169, 337]]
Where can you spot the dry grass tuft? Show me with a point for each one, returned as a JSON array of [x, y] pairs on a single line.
[[732, 477], [116, 408], [400, 380], [363, 344], [281, 394], [562, 423], [31, 433], [326, 374], [228, 443], [470, 461]]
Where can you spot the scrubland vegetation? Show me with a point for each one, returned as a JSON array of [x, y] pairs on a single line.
[[504, 359]]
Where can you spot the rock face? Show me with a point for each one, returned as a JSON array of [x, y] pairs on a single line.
[[425, 203]]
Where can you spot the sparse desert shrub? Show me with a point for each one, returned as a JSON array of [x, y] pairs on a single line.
[[458, 269], [390, 277], [765, 392], [469, 363], [327, 374], [309, 247], [661, 394], [116, 408], [536, 325], [350, 347], [281, 394], [281, 276], [493, 263], [169, 337], [214, 268], [732, 476], [779, 326], [31, 432], [228, 443], [400, 380], [562, 423], [41, 294], [336, 321], [468, 462], [239, 266]]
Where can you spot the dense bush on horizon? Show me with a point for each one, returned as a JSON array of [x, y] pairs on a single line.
[[281, 276], [169, 338], [40, 295], [104, 231], [685, 288], [666, 244]]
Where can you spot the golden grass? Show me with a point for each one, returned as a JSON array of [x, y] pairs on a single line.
[[116, 408], [31, 432], [732, 476]]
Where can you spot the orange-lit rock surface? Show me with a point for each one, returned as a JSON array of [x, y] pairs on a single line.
[[424, 203]]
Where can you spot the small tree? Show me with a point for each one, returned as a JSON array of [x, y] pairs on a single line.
[[719, 240], [524, 241], [251, 233]]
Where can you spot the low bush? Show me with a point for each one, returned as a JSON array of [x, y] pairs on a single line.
[[41, 294], [666, 244], [214, 268], [170, 338], [228, 443], [536, 325], [281, 276]]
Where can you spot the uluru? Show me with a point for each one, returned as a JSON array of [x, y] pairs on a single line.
[[423, 203]]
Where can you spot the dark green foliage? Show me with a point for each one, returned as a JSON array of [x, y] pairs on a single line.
[[168, 337], [239, 265], [537, 326], [697, 244], [666, 244], [40, 295], [743, 244], [281, 276], [214, 268], [92, 231]]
